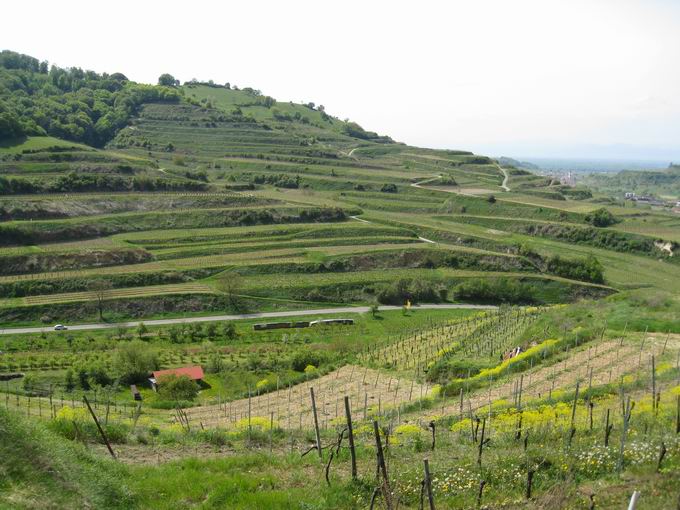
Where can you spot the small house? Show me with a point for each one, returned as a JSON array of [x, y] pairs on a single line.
[[194, 373]]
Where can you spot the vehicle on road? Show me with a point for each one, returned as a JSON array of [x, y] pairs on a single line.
[[60, 327]]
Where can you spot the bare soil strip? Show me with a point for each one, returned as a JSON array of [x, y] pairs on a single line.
[[369, 391]]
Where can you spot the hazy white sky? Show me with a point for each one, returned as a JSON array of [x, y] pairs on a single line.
[[591, 78]]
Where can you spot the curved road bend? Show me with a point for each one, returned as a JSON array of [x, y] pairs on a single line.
[[262, 315]]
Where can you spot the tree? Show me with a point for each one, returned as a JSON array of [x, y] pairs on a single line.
[[491, 199], [69, 381], [28, 382], [211, 330], [167, 80], [142, 330], [100, 291], [172, 387], [231, 284], [215, 363], [601, 218], [229, 330], [10, 125], [134, 361]]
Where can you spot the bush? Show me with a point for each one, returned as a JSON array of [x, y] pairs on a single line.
[[76, 423], [389, 188], [278, 180], [415, 291], [173, 387], [302, 359], [487, 290], [588, 270], [601, 218], [447, 369]]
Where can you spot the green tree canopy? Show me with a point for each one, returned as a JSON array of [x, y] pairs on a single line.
[[73, 104], [135, 361], [172, 387], [167, 80]]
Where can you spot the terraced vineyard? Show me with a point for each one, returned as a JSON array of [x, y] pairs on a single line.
[[489, 333], [373, 393], [201, 202]]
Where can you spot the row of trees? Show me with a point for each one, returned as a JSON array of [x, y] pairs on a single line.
[[77, 182]]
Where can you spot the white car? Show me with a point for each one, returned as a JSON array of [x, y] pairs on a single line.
[[60, 327]]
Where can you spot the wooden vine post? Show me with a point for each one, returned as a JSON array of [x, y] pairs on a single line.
[[382, 467], [316, 423], [627, 408], [428, 483], [572, 430], [99, 427], [350, 431]]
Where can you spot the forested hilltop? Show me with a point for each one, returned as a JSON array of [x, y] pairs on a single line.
[[37, 99]]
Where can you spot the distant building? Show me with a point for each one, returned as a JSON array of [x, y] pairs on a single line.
[[194, 373], [568, 180]]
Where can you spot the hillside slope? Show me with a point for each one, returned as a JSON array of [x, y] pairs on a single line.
[[37, 467]]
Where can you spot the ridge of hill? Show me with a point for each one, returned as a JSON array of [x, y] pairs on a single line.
[[83, 106]]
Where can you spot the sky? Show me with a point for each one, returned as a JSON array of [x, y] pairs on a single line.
[[541, 78]]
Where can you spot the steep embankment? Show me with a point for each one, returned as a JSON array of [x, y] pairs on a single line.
[[37, 467]]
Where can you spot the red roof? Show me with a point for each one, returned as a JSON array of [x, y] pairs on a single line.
[[193, 373]]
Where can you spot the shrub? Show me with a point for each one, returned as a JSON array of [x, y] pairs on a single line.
[[397, 293], [601, 218], [173, 387], [76, 423], [261, 423], [493, 290], [302, 359], [588, 270], [410, 434]]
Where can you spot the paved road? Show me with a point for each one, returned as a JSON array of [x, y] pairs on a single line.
[[262, 315]]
